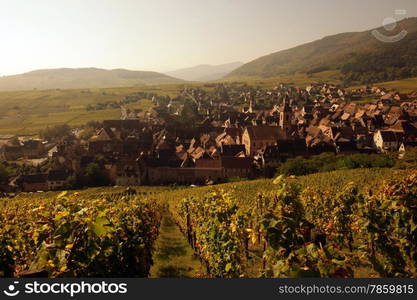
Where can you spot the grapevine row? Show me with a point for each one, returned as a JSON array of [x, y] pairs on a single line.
[[307, 232], [73, 235]]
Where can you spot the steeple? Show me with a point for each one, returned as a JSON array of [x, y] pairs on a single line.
[[250, 106], [285, 117]]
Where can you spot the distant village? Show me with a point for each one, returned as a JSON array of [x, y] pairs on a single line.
[[215, 134]]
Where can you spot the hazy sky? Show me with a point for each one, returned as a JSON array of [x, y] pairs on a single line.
[[163, 35]]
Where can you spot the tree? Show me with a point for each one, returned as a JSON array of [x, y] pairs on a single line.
[[72, 181], [94, 175], [14, 141], [189, 113], [87, 133], [4, 174], [55, 132], [298, 166]]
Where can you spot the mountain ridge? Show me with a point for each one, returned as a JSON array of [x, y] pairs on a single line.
[[342, 51], [204, 72], [68, 78]]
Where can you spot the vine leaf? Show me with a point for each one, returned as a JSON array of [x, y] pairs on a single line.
[[101, 226]]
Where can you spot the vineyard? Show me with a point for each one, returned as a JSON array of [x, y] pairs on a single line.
[[350, 223], [71, 235], [246, 191], [337, 224]]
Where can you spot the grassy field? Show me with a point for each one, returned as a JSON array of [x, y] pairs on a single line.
[[299, 80], [404, 85], [26, 112]]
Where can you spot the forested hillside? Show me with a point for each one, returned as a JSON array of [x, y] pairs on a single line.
[[359, 55]]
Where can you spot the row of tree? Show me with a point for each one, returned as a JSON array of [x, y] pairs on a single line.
[[329, 162]]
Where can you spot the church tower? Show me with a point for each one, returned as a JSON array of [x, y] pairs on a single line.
[[250, 106], [285, 117]]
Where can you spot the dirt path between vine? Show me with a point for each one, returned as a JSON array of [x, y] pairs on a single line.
[[173, 256]]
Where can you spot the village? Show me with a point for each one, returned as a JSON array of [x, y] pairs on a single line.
[[224, 132]]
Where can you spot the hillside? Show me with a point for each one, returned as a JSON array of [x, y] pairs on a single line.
[[359, 55], [66, 78], [205, 72], [246, 191], [245, 216]]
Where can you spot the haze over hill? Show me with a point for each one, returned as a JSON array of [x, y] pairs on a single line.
[[67, 78], [205, 72], [359, 55]]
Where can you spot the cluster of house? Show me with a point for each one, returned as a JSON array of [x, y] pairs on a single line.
[[13, 150], [234, 131]]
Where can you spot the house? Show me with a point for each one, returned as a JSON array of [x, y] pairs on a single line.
[[230, 136], [291, 148], [205, 168], [268, 157], [126, 173], [400, 97], [32, 149], [236, 166], [232, 150], [104, 141], [344, 145], [53, 151], [10, 152], [307, 109], [405, 147], [33, 182], [385, 140], [258, 137], [29, 149], [273, 155], [408, 129], [57, 179]]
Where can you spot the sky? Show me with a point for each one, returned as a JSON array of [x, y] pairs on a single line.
[[164, 35]]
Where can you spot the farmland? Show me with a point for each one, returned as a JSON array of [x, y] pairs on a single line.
[[47, 232], [26, 112], [299, 79], [404, 85]]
